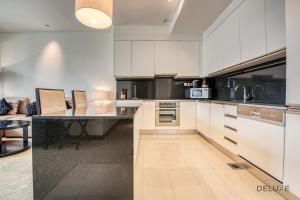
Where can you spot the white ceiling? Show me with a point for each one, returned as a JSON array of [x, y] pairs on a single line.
[[143, 12], [197, 15], [33, 15]]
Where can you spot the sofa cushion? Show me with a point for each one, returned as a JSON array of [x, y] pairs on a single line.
[[23, 101], [15, 106], [4, 107], [31, 109]]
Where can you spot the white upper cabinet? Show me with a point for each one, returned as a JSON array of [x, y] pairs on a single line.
[[122, 59], [252, 29], [213, 51], [275, 18], [188, 59], [293, 49], [166, 53], [231, 40], [143, 58]]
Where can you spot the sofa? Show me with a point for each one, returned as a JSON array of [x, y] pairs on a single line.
[[21, 103]]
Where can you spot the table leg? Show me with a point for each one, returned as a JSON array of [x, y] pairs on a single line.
[[25, 136]]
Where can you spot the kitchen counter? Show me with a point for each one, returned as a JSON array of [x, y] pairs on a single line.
[[95, 143], [108, 111], [276, 106]]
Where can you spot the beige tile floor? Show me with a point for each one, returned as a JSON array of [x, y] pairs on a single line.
[[176, 167], [186, 167]]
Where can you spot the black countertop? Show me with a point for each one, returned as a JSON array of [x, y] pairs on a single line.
[[108, 111]]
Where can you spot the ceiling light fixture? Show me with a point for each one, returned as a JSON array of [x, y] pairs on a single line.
[[94, 13]]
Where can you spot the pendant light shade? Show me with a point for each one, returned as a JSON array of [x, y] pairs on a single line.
[[94, 13]]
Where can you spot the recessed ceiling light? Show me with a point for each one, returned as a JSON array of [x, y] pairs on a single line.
[[165, 20]]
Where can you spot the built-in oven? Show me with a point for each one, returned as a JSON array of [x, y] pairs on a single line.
[[167, 113]]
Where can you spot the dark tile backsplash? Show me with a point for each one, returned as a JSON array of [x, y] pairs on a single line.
[[264, 85], [144, 88], [158, 88]]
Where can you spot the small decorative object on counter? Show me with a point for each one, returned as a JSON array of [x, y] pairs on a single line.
[[124, 93]]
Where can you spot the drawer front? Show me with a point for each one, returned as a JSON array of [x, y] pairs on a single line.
[[230, 133], [230, 122], [230, 110], [265, 114], [272, 115], [245, 110], [230, 145]]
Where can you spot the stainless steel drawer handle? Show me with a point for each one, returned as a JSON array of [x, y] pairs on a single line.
[[255, 114], [230, 128], [230, 116], [230, 140]]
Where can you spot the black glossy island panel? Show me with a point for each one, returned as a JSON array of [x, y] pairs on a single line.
[[84, 154]]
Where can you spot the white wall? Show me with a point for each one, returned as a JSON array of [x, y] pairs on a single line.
[[67, 60], [141, 32]]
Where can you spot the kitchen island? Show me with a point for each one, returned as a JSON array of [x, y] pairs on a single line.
[[84, 154]]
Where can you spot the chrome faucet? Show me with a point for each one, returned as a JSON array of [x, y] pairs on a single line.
[[134, 92], [246, 95]]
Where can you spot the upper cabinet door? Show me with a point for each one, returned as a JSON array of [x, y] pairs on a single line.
[[231, 40], [213, 52], [166, 57], [143, 58], [188, 59], [252, 29], [292, 53], [275, 18], [122, 58]]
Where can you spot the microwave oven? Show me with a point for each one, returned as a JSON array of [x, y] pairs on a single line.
[[198, 93]]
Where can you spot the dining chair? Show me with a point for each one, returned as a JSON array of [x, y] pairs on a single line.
[[50, 101], [80, 101], [53, 101]]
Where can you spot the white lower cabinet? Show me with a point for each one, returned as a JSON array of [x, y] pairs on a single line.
[[203, 118], [217, 122], [292, 149], [223, 126], [148, 115], [262, 144], [188, 113], [138, 126]]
